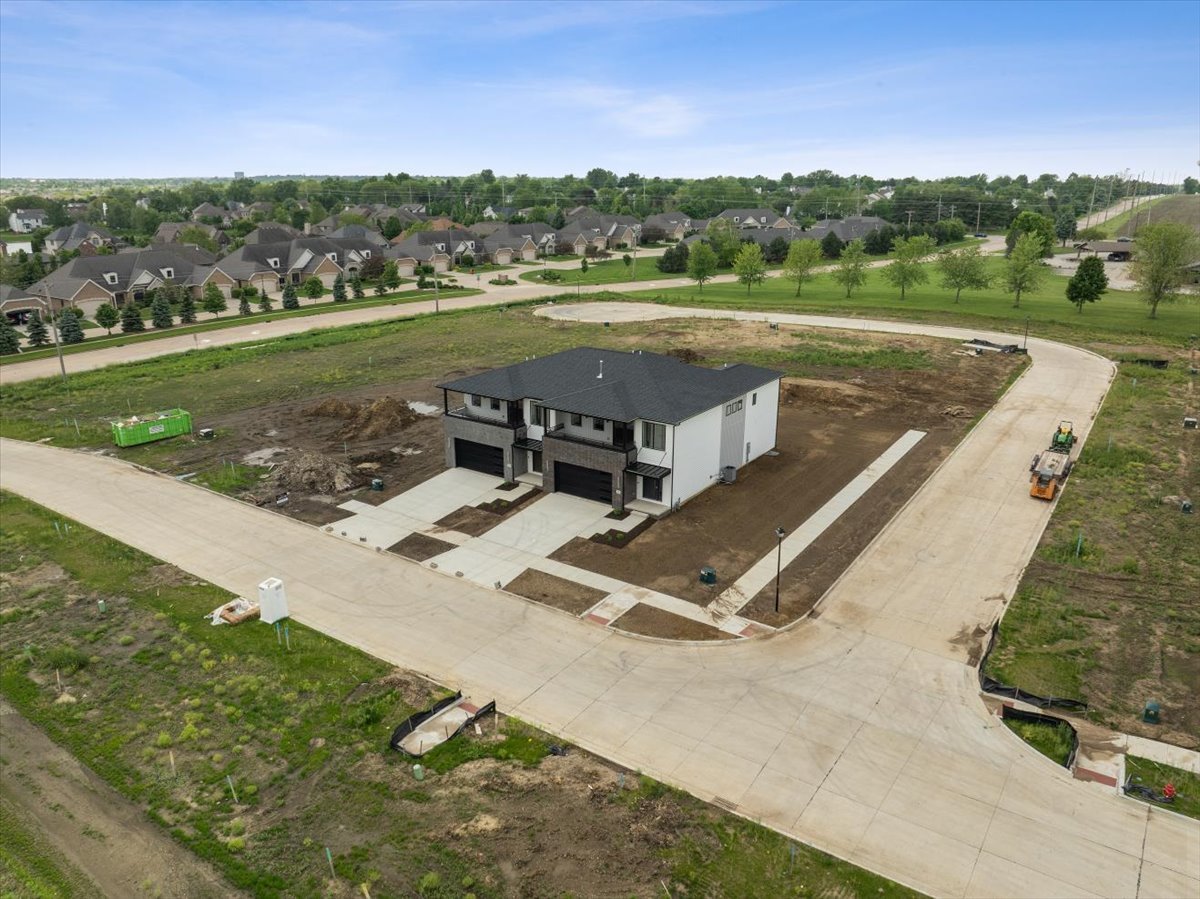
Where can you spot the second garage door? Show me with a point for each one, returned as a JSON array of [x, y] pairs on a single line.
[[479, 457], [585, 482]]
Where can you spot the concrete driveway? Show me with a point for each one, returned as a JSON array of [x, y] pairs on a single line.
[[861, 732]]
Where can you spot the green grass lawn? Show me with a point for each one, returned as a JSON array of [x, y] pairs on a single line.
[[611, 271], [232, 320], [1119, 318], [1156, 775]]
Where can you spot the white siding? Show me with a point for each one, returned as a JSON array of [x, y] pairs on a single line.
[[485, 410], [697, 457], [584, 430], [762, 418]]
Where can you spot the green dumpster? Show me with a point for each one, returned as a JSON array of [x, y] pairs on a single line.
[[159, 426]]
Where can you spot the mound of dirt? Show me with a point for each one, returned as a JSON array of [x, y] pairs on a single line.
[[332, 407], [825, 394], [384, 416], [314, 473]]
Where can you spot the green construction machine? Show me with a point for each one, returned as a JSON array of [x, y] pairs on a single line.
[[1051, 467]]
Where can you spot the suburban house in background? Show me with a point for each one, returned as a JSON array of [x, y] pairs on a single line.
[[16, 304], [755, 218], [90, 281], [267, 267], [611, 426], [73, 237], [168, 232], [25, 220], [852, 227], [674, 225]]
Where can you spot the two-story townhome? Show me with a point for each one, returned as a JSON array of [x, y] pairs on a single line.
[[612, 426]]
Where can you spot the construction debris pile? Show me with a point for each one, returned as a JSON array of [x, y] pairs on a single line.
[[313, 473]]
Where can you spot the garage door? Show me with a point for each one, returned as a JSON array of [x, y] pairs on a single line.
[[479, 457], [585, 482]]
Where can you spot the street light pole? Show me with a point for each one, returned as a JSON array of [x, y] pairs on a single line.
[[1025, 342], [780, 533]]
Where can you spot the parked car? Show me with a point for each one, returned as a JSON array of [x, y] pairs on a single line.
[[1124, 240], [981, 234], [1116, 257]]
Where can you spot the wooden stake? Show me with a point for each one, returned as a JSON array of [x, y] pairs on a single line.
[[171, 752], [58, 678], [329, 858], [229, 780]]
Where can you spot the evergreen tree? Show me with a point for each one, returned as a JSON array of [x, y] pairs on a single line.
[[391, 275], [264, 303], [339, 290], [107, 317], [356, 287], [160, 310], [131, 319], [187, 308], [35, 331], [290, 299], [244, 305], [69, 328], [832, 246], [1088, 282], [10, 340], [214, 300]]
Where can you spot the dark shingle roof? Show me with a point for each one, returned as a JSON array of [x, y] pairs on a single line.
[[635, 385]]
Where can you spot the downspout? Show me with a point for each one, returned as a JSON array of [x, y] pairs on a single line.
[[674, 434]]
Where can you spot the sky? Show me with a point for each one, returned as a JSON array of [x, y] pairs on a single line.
[[683, 88]]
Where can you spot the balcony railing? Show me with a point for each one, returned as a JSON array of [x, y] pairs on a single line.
[[628, 450], [464, 412]]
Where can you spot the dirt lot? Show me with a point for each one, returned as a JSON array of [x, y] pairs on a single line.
[[829, 431]]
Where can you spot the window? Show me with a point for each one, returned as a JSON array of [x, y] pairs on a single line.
[[652, 488], [273, 262], [476, 400], [495, 405], [576, 420], [538, 414], [754, 399], [736, 219], [110, 277], [597, 424], [654, 436], [168, 273], [733, 408]]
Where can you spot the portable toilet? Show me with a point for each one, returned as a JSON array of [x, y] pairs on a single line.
[[272, 602]]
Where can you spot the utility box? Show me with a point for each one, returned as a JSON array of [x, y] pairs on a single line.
[[728, 474], [272, 601], [708, 575], [1151, 713], [135, 431]]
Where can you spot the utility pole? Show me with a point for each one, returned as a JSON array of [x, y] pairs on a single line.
[[939, 218], [1087, 222], [62, 365], [951, 210], [910, 215], [978, 215]]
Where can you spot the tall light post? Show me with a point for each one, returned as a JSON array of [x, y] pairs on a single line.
[[1025, 341], [780, 533]]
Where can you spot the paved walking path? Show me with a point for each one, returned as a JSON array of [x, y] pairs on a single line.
[[861, 732]]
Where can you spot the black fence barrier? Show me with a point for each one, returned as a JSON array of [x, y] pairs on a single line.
[[412, 722], [1021, 715], [994, 687]]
